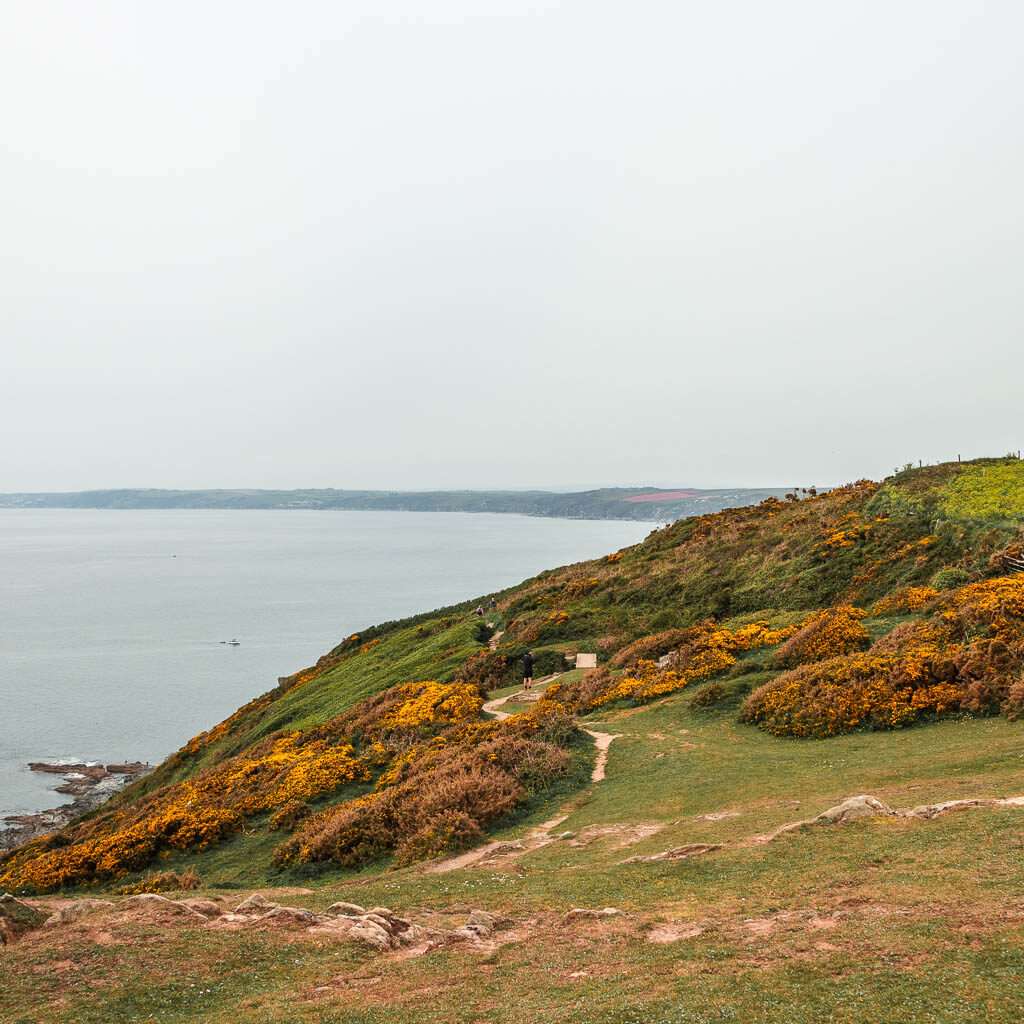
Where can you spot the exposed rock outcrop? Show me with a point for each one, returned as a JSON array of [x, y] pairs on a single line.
[[17, 917], [379, 927], [74, 910], [346, 909], [207, 907], [90, 784], [256, 903], [479, 926], [854, 808], [678, 853]]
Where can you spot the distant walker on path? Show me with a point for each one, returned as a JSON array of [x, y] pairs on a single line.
[[527, 671]]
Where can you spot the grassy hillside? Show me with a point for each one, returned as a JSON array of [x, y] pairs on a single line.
[[757, 666]]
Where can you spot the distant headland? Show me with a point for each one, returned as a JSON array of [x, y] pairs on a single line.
[[640, 503]]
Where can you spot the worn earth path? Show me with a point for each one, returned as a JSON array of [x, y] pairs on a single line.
[[542, 835], [602, 740]]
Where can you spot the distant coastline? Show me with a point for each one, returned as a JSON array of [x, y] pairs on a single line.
[[646, 504]]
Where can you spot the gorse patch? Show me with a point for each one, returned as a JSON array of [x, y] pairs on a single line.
[[403, 731], [190, 815], [702, 652], [430, 702], [906, 600], [825, 634], [440, 795], [969, 655]]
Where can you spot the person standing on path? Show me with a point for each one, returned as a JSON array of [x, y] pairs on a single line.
[[527, 671]]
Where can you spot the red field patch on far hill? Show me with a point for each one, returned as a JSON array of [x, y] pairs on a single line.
[[663, 496]]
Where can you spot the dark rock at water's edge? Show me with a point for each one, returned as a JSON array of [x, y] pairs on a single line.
[[90, 784]]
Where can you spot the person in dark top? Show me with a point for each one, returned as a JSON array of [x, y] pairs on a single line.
[[527, 671]]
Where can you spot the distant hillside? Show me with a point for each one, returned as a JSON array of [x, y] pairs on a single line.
[[641, 503]]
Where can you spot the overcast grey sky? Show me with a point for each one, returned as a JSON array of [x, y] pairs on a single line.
[[485, 243]]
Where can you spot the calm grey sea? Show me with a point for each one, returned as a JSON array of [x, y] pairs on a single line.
[[111, 621]]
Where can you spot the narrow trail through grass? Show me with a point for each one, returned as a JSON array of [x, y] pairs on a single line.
[[491, 707], [540, 835], [602, 740]]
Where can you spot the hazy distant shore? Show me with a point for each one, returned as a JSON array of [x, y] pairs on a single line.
[[632, 503]]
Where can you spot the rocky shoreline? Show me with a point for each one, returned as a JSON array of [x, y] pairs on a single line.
[[90, 784]]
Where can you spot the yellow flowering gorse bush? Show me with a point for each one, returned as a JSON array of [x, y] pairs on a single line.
[[824, 634], [906, 600], [969, 655]]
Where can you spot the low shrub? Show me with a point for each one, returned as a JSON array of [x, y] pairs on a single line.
[[1013, 707], [908, 599], [666, 619], [950, 578], [842, 694], [649, 648], [290, 816], [745, 668], [164, 881], [448, 831], [577, 588], [709, 695], [703, 651], [968, 655], [439, 795], [483, 671], [581, 695]]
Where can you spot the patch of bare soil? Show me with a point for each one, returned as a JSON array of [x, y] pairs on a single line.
[[472, 858], [674, 931], [623, 835], [810, 921], [497, 853], [602, 740]]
